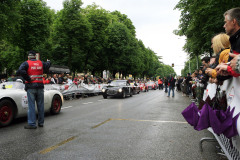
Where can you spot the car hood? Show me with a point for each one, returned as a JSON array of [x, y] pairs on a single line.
[[112, 87], [9, 92]]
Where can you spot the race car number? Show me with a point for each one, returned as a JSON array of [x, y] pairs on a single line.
[[8, 86], [24, 101]]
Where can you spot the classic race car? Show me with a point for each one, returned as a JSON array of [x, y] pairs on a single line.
[[136, 88], [152, 85], [14, 104], [143, 87], [117, 88]]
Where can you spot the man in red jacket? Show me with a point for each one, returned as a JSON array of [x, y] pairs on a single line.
[[32, 72]]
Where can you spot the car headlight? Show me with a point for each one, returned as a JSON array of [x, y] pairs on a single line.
[[120, 90], [103, 90]]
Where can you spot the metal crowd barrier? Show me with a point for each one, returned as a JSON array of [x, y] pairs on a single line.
[[230, 147], [73, 90]]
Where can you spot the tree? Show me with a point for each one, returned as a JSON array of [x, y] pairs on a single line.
[[9, 17], [72, 32], [118, 38], [190, 68], [164, 71], [122, 18], [9, 57], [100, 19], [34, 26], [200, 21]]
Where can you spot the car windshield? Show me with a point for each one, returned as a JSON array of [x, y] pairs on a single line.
[[12, 85], [150, 82], [118, 83]]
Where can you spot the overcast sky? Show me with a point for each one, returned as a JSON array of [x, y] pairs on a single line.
[[154, 21]]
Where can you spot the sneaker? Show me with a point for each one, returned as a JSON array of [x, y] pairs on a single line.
[[40, 125], [167, 96], [30, 127]]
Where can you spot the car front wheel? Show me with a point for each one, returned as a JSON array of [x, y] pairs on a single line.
[[6, 112], [56, 104], [105, 96]]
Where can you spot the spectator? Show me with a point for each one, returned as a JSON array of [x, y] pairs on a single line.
[[45, 79], [86, 81], [221, 49], [232, 28], [189, 86], [60, 78], [166, 84], [69, 80], [171, 83], [54, 79]]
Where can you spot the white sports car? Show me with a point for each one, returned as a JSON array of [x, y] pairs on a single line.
[[14, 104]]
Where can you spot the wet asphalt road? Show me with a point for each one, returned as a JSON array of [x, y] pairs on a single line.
[[148, 126]]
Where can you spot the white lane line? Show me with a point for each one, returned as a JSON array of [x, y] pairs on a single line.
[[88, 103], [82, 103], [67, 107]]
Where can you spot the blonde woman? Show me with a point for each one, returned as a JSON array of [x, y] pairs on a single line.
[[221, 48]]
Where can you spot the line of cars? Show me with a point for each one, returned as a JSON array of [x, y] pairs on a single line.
[[14, 104], [123, 88]]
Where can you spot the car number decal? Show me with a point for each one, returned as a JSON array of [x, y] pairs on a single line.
[[8, 86], [24, 101]]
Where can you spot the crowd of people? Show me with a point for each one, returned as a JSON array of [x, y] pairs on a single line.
[[64, 79], [223, 65]]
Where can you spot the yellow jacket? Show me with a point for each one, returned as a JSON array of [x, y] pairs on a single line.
[[223, 58]]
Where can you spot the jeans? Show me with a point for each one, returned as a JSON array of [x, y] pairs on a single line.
[[38, 96], [169, 90], [166, 88]]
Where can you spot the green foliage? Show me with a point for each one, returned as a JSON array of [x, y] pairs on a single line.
[[122, 18], [165, 71], [9, 17], [195, 63], [71, 32], [200, 21], [89, 39], [96, 57], [34, 26], [9, 58]]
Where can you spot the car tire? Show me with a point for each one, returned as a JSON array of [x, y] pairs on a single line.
[[56, 104], [105, 96], [6, 112]]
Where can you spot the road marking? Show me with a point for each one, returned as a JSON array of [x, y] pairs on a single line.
[[88, 103], [67, 107], [150, 121], [102, 123], [58, 145], [117, 119]]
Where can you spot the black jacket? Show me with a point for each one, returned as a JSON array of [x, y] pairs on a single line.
[[235, 42], [171, 81]]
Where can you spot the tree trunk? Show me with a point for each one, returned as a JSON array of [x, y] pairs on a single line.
[[86, 62]]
